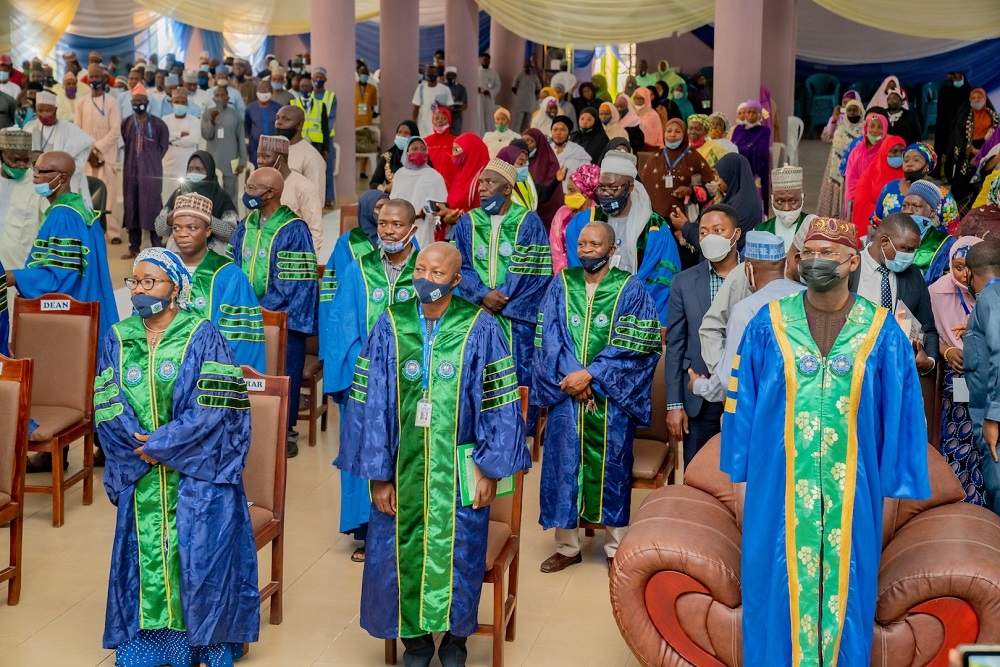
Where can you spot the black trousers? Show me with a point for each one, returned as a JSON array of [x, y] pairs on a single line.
[[701, 428], [419, 651], [295, 361]]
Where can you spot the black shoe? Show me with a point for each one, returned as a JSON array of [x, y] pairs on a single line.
[[364, 176], [291, 449], [42, 462], [116, 241], [99, 458]]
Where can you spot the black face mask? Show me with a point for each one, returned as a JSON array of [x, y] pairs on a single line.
[[853, 119], [913, 175], [820, 275], [593, 264], [895, 106], [286, 132]]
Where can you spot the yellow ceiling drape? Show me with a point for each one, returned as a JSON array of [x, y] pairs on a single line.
[[33, 26], [266, 17], [965, 20]]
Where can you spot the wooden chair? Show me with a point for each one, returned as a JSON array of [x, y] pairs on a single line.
[[264, 475], [60, 334], [503, 556], [15, 411], [348, 217], [275, 341], [316, 403]]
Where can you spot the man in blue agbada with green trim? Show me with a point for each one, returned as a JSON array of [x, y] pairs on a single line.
[[69, 256], [436, 374], [274, 248], [595, 353]]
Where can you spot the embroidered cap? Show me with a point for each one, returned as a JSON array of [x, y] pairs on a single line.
[[45, 97], [786, 178], [273, 144], [764, 246], [193, 204], [190, 76], [13, 139], [506, 170], [833, 230]]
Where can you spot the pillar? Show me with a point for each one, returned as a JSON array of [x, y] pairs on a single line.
[[778, 60], [194, 49], [333, 47], [399, 56], [685, 51], [507, 55], [739, 36], [461, 49]]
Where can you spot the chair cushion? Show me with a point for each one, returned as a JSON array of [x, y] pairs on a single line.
[[649, 457], [312, 366], [4, 499], [51, 420], [499, 533], [259, 517]]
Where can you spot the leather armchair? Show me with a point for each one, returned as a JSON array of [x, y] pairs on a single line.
[[675, 582]]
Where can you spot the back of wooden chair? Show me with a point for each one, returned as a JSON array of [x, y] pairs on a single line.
[[275, 340], [348, 217], [60, 334], [15, 415]]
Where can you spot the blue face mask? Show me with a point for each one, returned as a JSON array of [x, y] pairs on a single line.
[[429, 291], [672, 145], [319, 85], [363, 78], [593, 264], [900, 262], [959, 83], [492, 205], [195, 177], [401, 142], [532, 152], [252, 203], [522, 174], [43, 189], [147, 305], [396, 246], [896, 162], [180, 109], [276, 85], [923, 223]]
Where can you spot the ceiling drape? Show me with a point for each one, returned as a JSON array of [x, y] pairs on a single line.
[[964, 19], [30, 27], [263, 17], [104, 19]]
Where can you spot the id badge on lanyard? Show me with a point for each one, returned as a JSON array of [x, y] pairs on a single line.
[[424, 407]]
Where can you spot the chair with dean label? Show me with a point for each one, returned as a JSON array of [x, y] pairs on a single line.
[[264, 475], [60, 334]]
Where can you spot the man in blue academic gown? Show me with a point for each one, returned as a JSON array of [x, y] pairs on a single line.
[[69, 256], [594, 360], [433, 410], [274, 248], [368, 286], [506, 262], [4, 315], [824, 419]]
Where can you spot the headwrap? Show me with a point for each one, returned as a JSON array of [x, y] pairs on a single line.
[[173, 267], [833, 230], [221, 203], [273, 144], [927, 191], [504, 168], [764, 246], [929, 155], [854, 103], [509, 154], [366, 213], [565, 120], [13, 139], [463, 191], [545, 164], [501, 110], [586, 178], [951, 300], [616, 162], [753, 104], [719, 114], [994, 193], [193, 204], [631, 118], [700, 118]]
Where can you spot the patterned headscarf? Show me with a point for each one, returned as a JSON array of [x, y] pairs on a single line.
[[703, 119], [929, 155], [173, 267], [724, 117], [994, 193], [586, 177]]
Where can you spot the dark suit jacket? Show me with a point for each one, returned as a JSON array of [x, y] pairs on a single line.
[[911, 289], [689, 301]]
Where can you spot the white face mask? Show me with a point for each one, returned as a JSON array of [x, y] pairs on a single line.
[[786, 218], [264, 97], [715, 247]]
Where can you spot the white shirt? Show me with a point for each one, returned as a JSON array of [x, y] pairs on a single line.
[[300, 195], [11, 89], [870, 280], [68, 138], [180, 149], [21, 211], [426, 97], [305, 159]]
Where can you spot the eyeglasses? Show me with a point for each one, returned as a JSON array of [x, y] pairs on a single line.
[[821, 254], [45, 171], [609, 189], [147, 283]]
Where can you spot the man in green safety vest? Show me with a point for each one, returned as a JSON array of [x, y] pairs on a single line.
[[320, 109]]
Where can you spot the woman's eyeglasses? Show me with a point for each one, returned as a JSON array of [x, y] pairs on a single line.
[[147, 283]]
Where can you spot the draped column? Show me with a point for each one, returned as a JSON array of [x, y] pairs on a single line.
[[333, 47], [739, 31], [781, 21], [507, 54], [399, 54], [461, 49]]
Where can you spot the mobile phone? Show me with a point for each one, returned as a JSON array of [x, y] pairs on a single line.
[[980, 655], [432, 207]]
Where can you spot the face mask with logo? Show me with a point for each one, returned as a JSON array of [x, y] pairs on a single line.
[[673, 145], [417, 160], [593, 264], [13, 172], [575, 201], [139, 108], [492, 205], [252, 203], [613, 205], [900, 262], [319, 85], [147, 305], [895, 161], [715, 247], [180, 110], [264, 97], [820, 275], [195, 177], [923, 223], [429, 291], [522, 174]]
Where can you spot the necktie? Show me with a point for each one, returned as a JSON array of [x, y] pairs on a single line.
[[886, 292]]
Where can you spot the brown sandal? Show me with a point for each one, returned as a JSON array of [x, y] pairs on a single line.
[[358, 556]]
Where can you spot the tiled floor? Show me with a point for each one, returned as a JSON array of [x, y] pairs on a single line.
[[563, 618]]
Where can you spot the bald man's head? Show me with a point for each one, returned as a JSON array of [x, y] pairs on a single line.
[[57, 161], [441, 264], [266, 179], [289, 118]]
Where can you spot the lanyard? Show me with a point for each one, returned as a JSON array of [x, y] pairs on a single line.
[[987, 285], [41, 135], [101, 108], [428, 344], [670, 167], [961, 300]]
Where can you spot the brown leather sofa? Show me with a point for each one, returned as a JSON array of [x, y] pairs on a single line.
[[675, 583]]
